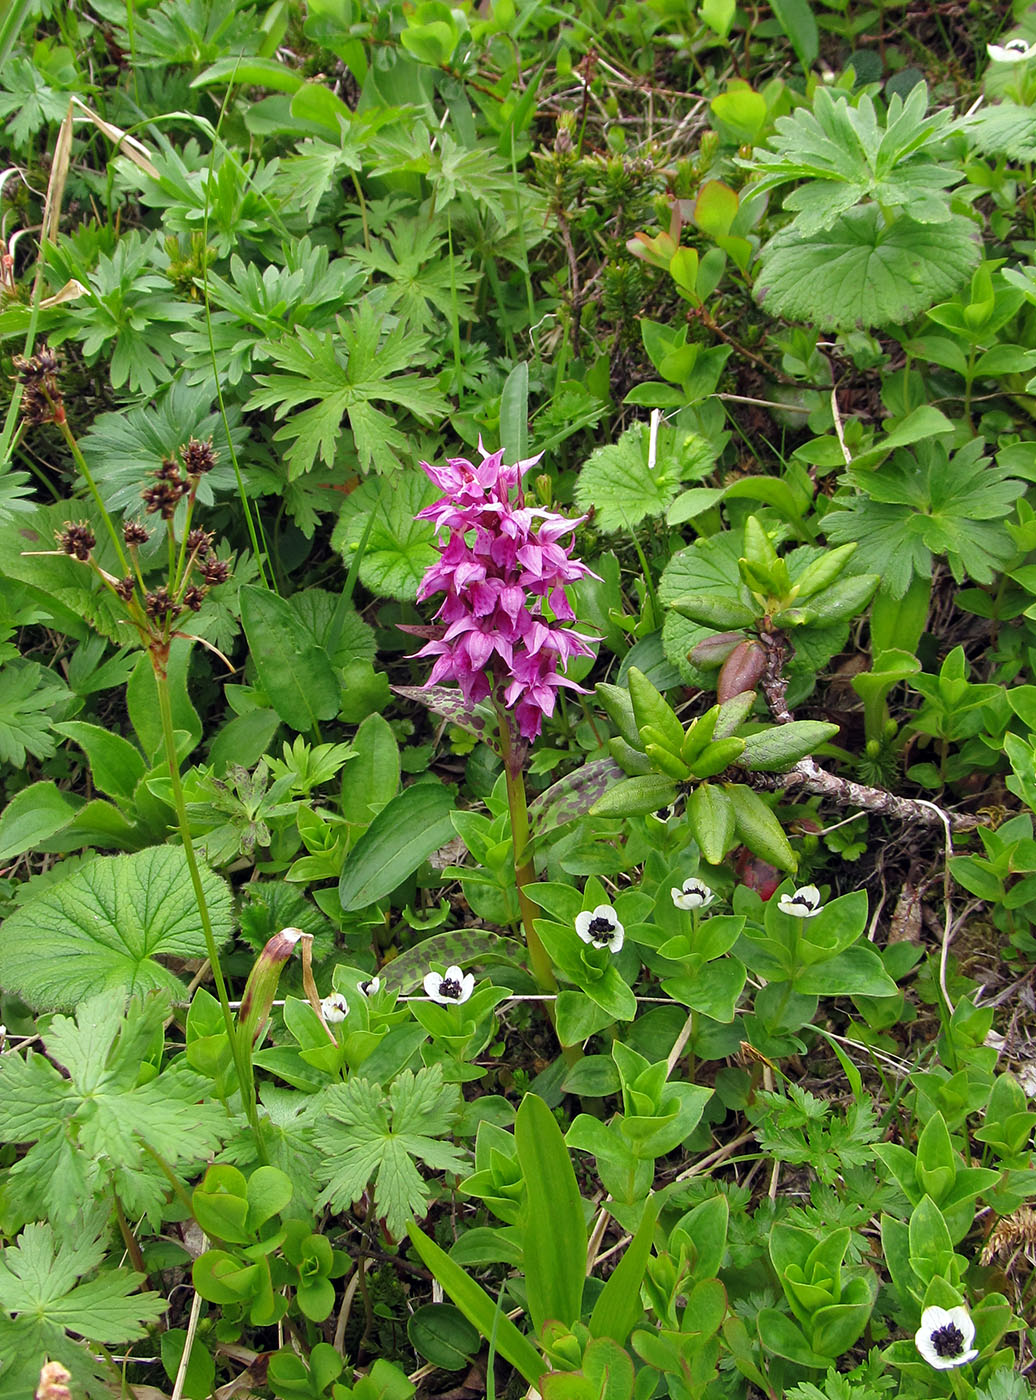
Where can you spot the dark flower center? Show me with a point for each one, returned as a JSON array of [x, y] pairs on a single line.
[[802, 901], [948, 1340], [600, 928], [450, 987]]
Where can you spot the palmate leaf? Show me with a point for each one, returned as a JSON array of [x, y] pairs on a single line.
[[313, 369], [847, 156], [363, 1135], [42, 1300], [122, 448], [862, 272], [623, 490], [1004, 130], [103, 927], [925, 502], [87, 1125], [420, 282], [31, 699]]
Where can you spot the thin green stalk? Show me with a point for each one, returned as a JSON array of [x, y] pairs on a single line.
[[245, 1079], [80, 461], [524, 872]]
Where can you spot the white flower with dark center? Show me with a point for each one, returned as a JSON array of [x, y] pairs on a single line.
[[802, 903], [334, 1009], [692, 894], [600, 928], [1014, 51], [945, 1336], [368, 989], [452, 985]]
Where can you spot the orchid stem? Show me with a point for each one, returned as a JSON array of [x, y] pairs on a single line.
[[525, 875], [524, 871]]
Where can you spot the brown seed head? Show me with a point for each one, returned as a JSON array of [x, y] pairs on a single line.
[[164, 496], [198, 457], [41, 397], [215, 571], [159, 604], [134, 533], [169, 470], [199, 541], [77, 540], [125, 587], [193, 597]]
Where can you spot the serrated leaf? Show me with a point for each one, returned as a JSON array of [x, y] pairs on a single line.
[[622, 489], [862, 273], [31, 697], [927, 502], [103, 928], [399, 548], [845, 154], [364, 1134], [345, 373], [37, 1276]]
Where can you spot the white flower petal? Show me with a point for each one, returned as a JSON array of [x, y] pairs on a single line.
[[1014, 51], [334, 1008], [693, 894], [432, 982], [802, 903], [449, 989], [945, 1336], [600, 928]]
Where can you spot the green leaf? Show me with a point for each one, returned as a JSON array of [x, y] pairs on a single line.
[[776, 750], [862, 273], [249, 72], [116, 765], [142, 701], [32, 816], [842, 152], [553, 1225], [441, 1334], [478, 1307], [514, 414], [311, 367], [796, 19], [618, 1308], [295, 673], [103, 928], [371, 777], [31, 698], [399, 548], [636, 797], [711, 816], [852, 972], [623, 490], [363, 1134], [924, 503], [38, 1277], [400, 837], [759, 829], [88, 1125]]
